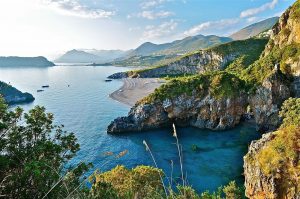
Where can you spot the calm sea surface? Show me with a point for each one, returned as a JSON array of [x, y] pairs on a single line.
[[85, 109]]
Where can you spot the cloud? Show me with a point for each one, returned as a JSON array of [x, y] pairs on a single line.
[[254, 11], [252, 19], [211, 26], [155, 15], [162, 30], [75, 8], [151, 3]]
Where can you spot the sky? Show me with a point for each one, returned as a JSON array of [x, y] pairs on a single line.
[[52, 27]]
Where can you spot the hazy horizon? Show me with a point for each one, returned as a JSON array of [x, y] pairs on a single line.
[[51, 27]]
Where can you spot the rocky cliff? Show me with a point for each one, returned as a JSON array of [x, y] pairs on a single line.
[[205, 105], [285, 40], [271, 166], [12, 95], [267, 100]]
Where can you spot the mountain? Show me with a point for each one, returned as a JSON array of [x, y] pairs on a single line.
[[90, 56], [77, 56], [12, 95], [25, 61], [182, 46], [149, 54], [255, 29]]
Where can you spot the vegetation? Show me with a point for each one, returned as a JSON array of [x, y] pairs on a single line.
[[282, 152], [218, 83], [248, 55], [33, 152], [290, 112], [33, 158], [263, 67], [250, 47], [296, 10]]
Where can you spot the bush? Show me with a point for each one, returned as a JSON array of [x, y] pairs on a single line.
[[33, 155], [219, 84], [290, 112]]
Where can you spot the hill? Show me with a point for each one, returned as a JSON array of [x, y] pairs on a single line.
[[255, 29], [215, 58], [149, 53], [25, 61]]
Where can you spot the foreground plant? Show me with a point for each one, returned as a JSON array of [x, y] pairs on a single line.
[[33, 154]]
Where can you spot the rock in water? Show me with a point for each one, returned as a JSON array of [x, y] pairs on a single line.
[[13, 95]]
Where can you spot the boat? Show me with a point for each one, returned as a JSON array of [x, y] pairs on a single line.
[[39, 90], [45, 86], [108, 80]]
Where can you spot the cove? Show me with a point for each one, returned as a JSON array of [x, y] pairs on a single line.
[[85, 108]]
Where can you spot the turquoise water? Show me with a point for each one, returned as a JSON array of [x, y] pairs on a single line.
[[85, 109]]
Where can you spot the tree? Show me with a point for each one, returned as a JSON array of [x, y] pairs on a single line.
[[33, 154]]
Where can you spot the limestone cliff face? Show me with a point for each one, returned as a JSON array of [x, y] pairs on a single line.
[[202, 112], [206, 60], [267, 100], [283, 181]]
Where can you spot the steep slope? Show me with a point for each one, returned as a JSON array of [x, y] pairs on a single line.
[[255, 29], [14, 96], [272, 166], [24, 61]]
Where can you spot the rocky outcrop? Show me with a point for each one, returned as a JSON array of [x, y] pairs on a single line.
[[257, 184], [267, 101], [12, 95], [205, 60], [269, 174], [287, 33], [197, 63], [119, 75], [184, 110]]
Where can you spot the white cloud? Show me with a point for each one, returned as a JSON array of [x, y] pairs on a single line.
[[75, 8], [151, 3], [162, 30], [252, 19], [211, 26], [155, 15], [254, 11]]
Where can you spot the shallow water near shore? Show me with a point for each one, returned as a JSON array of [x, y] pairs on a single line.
[[86, 109]]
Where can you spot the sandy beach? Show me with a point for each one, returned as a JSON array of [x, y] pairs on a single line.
[[135, 89]]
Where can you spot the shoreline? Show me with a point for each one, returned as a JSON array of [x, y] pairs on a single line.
[[134, 89]]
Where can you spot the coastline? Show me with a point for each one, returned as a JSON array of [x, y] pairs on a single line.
[[134, 89]]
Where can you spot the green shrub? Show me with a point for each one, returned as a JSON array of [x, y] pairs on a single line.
[[218, 83]]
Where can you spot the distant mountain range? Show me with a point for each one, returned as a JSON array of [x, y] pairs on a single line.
[[90, 56], [25, 61], [255, 29], [155, 54]]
